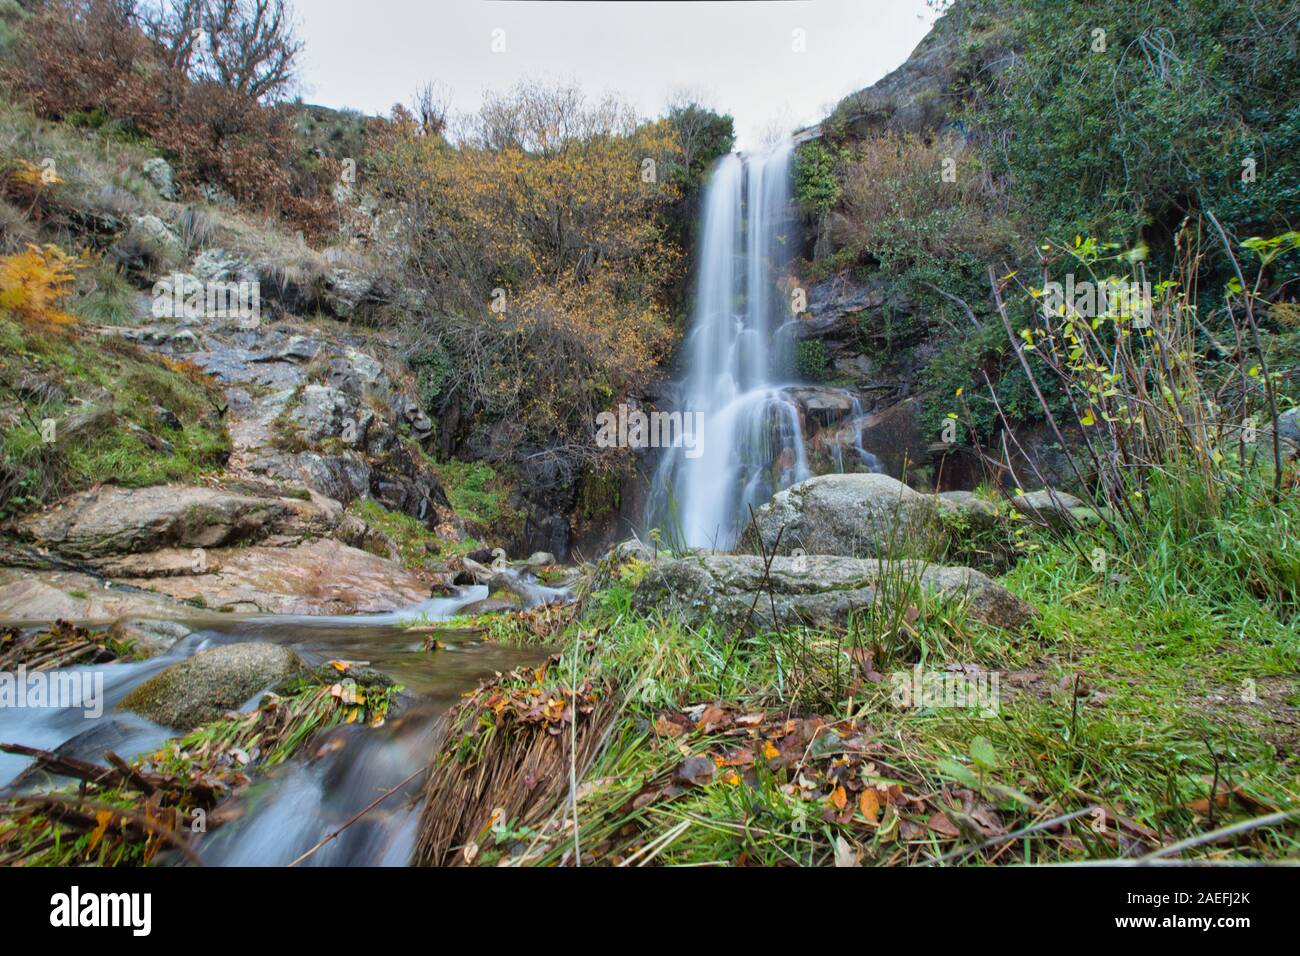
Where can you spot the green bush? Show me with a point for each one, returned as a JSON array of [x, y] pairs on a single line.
[[811, 360], [816, 185]]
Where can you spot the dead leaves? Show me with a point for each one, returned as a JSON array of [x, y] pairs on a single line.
[[825, 766], [527, 696]]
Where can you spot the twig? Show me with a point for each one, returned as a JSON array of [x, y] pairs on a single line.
[[361, 813], [71, 805], [1215, 835]]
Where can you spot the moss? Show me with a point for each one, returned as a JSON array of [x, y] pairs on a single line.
[[103, 396], [419, 548], [476, 491], [599, 494]]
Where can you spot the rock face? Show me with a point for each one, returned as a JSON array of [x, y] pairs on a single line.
[[113, 521], [863, 515], [816, 590], [321, 576], [161, 175], [205, 686], [65, 595]]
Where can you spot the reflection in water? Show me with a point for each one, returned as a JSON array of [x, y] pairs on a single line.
[[289, 809]]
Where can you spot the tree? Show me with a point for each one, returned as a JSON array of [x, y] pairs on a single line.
[[702, 133], [250, 47]]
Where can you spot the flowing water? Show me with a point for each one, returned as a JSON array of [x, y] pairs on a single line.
[[735, 359], [289, 809]]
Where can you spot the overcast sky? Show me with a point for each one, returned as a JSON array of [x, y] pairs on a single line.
[[370, 54]]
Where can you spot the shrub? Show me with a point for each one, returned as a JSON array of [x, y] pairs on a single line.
[[85, 61], [816, 186], [545, 253], [811, 360], [32, 283]]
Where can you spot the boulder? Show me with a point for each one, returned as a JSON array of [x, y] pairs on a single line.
[[346, 290], [344, 478], [202, 688], [161, 176], [813, 590], [321, 412], [1051, 507], [322, 576], [112, 521], [149, 638], [859, 515], [979, 513], [45, 596], [150, 236], [218, 265]]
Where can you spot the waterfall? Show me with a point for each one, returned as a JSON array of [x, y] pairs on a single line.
[[735, 360]]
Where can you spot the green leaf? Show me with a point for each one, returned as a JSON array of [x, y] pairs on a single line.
[[958, 772], [982, 752]]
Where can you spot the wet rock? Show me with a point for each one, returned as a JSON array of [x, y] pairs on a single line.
[[860, 515], [500, 604], [202, 688], [150, 638], [814, 590], [894, 435], [823, 404], [359, 675]]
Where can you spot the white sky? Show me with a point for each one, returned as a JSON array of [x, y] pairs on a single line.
[[370, 54]]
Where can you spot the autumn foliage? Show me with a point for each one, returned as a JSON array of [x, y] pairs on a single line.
[[87, 58], [540, 238], [33, 282]]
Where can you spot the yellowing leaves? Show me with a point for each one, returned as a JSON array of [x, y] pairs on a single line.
[[34, 281]]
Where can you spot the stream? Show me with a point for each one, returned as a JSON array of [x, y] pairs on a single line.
[[290, 808]]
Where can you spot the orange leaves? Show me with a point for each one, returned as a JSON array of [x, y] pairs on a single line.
[[527, 698], [33, 282], [869, 805]]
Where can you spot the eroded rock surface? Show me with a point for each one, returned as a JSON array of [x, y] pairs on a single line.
[[815, 590]]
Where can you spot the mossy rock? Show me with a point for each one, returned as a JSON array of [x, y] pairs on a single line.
[[202, 688]]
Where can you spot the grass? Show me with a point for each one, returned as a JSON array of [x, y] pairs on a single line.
[[420, 548], [1154, 700], [99, 823], [103, 396], [109, 298], [476, 492]]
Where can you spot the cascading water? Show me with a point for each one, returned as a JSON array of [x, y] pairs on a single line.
[[752, 440]]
